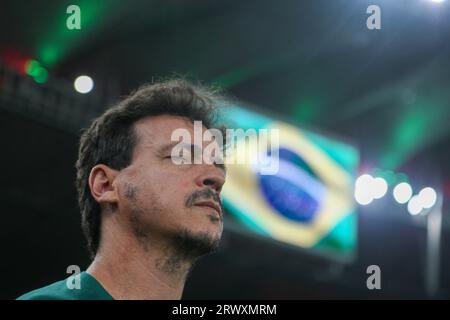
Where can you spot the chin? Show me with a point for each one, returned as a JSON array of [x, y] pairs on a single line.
[[196, 243]]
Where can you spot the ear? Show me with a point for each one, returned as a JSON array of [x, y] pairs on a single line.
[[101, 183]]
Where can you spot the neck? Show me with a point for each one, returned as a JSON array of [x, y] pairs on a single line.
[[128, 270]]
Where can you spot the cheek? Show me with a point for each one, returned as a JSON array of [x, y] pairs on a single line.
[[160, 191], [162, 188], [175, 183]]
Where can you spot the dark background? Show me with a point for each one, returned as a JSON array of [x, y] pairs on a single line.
[[312, 62]]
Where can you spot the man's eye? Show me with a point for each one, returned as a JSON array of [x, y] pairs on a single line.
[[179, 159], [175, 157]]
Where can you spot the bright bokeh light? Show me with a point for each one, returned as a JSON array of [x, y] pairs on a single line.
[[437, 1], [427, 197], [414, 205], [364, 181], [368, 188], [379, 188], [363, 198], [402, 192], [83, 84], [363, 189]]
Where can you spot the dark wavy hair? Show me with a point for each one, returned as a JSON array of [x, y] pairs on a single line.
[[111, 137]]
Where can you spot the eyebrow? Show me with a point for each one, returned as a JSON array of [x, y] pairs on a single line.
[[163, 150]]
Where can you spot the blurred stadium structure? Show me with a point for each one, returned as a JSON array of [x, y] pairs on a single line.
[[311, 64]]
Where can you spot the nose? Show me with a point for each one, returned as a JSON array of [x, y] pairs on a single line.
[[211, 177]]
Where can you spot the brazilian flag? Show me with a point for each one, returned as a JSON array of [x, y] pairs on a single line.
[[308, 202]]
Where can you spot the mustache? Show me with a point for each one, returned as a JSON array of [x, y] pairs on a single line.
[[205, 194]]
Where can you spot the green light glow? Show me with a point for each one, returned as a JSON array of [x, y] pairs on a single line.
[[237, 76], [419, 125], [32, 67], [50, 54], [306, 109], [56, 40], [272, 61], [41, 75]]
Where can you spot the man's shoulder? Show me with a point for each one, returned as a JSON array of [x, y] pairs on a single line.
[[54, 291], [89, 289]]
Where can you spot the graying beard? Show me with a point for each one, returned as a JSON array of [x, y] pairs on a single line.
[[186, 248]]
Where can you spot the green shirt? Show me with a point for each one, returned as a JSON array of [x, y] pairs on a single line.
[[90, 289]]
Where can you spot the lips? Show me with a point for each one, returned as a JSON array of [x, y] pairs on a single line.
[[210, 204]]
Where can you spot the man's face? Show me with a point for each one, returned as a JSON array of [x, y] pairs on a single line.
[[163, 200]]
